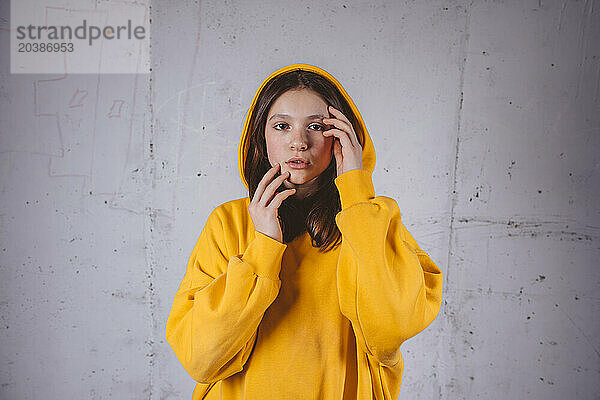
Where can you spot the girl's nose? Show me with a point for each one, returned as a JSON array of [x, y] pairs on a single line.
[[298, 141]]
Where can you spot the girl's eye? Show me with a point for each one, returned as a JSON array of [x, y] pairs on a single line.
[[317, 127], [277, 126]]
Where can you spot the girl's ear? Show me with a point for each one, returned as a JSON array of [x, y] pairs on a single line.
[[337, 151]]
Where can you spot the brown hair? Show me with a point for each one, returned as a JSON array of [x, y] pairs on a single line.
[[316, 212]]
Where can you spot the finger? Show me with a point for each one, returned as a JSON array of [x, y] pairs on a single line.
[[346, 128], [280, 197], [264, 181], [338, 123], [340, 115], [272, 187], [342, 135]]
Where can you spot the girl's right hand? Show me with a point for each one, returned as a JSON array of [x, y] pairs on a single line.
[[264, 207]]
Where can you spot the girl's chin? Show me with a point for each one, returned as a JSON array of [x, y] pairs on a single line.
[[295, 180]]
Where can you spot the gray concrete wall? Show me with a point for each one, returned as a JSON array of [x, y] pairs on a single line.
[[485, 118]]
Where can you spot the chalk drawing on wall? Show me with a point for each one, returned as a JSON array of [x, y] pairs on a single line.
[[78, 98], [115, 109]]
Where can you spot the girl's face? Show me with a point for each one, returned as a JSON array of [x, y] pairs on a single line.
[[294, 131]]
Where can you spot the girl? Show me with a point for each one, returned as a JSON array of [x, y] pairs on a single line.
[[306, 288]]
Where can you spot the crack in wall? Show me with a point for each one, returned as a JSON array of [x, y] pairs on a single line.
[[151, 214], [462, 61], [531, 226]]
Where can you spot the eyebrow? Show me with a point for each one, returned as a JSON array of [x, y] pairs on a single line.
[[314, 116]]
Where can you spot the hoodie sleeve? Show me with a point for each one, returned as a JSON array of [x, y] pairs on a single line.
[[388, 287], [218, 307]]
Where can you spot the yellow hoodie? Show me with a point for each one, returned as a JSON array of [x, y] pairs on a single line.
[[255, 318]]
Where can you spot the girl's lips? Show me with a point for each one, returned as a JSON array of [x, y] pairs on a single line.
[[297, 165]]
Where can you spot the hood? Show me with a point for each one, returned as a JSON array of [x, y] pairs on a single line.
[[368, 154]]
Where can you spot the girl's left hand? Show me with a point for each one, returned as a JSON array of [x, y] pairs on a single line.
[[347, 150]]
